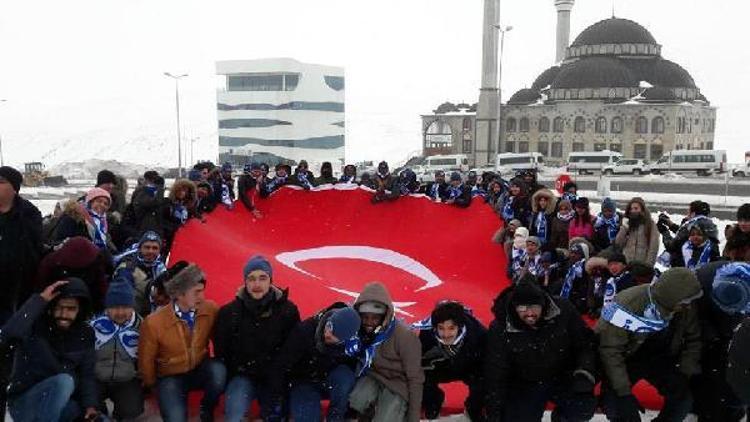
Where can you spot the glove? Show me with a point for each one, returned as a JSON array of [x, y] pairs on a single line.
[[628, 408], [582, 384]]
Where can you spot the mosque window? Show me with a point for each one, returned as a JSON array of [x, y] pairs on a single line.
[[510, 125], [578, 146], [544, 124], [510, 146], [557, 126], [656, 151], [467, 146], [641, 126], [600, 147], [615, 147], [543, 148], [523, 125], [617, 125], [601, 125], [557, 149], [523, 147], [657, 125], [639, 151], [467, 123], [580, 125], [709, 145]]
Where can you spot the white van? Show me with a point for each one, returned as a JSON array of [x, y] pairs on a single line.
[[447, 163], [589, 161], [510, 162], [701, 161]]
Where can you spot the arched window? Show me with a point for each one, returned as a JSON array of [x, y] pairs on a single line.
[[580, 125], [616, 125], [510, 125], [657, 125], [467, 123], [439, 135], [557, 125], [544, 124], [601, 125], [641, 126], [523, 125]]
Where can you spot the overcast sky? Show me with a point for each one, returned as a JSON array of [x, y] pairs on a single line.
[[93, 69]]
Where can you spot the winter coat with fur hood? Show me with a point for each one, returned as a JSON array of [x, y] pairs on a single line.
[[76, 221], [547, 214]]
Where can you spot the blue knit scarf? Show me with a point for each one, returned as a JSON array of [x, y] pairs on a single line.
[[541, 227], [704, 258], [127, 335], [366, 354], [434, 191], [455, 191], [612, 224], [575, 271], [302, 177], [650, 322]]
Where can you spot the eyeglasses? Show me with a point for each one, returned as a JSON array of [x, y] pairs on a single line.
[[526, 308]]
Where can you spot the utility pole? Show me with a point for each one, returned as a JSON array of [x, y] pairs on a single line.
[[177, 106]]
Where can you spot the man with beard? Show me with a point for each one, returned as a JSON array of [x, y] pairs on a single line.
[[143, 266], [314, 363], [437, 190], [53, 376], [390, 371], [248, 186], [386, 185]]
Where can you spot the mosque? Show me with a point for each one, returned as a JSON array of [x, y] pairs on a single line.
[[610, 89]]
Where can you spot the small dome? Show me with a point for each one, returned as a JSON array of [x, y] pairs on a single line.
[[446, 107], [545, 79], [463, 106], [670, 74], [659, 94], [614, 31], [595, 72], [525, 96]]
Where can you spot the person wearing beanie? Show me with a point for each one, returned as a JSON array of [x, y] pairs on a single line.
[[576, 284], [651, 332], [147, 203], [260, 310], [737, 247], [386, 185], [516, 204], [106, 180], [453, 345], [173, 348], [142, 264], [538, 350], [698, 215], [542, 213], [389, 370], [117, 331], [248, 187], [437, 190], [570, 192], [87, 219], [532, 260], [458, 193], [280, 178], [560, 224], [697, 251], [618, 277], [313, 361], [53, 376], [638, 238], [222, 189], [607, 225], [724, 305], [517, 251]]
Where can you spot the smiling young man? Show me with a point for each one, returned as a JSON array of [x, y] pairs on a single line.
[[538, 350], [250, 332], [143, 266], [173, 353], [53, 376]]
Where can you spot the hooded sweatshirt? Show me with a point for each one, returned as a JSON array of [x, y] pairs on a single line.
[[616, 344], [398, 361]]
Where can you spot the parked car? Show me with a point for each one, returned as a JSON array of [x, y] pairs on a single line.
[[626, 166], [742, 171]]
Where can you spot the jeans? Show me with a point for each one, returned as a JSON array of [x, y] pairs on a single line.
[[241, 391], [210, 377], [527, 402], [304, 398], [48, 400], [377, 403]]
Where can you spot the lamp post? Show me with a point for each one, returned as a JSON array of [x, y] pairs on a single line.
[[2, 160], [177, 104], [503, 30]]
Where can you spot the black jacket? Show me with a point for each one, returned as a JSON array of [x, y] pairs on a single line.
[[20, 252], [435, 190], [560, 345], [44, 350], [249, 334], [246, 184], [440, 365], [464, 199], [147, 208], [304, 357]]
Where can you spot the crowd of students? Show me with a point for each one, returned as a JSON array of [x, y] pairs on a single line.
[[90, 312]]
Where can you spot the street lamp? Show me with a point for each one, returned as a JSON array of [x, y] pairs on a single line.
[[503, 30], [2, 160], [177, 103]]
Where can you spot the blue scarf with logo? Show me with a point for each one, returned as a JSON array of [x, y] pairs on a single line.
[[455, 191], [570, 197], [180, 213], [127, 335], [541, 227], [610, 289], [100, 228], [611, 223], [508, 212], [366, 354], [302, 177], [575, 271], [704, 258], [650, 322], [188, 317]]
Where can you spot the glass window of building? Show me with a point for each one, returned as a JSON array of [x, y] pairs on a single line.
[[543, 148], [523, 147], [544, 125], [578, 146], [657, 125], [557, 125], [467, 123], [641, 126], [510, 146], [656, 151], [639, 151], [523, 125], [510, 125], [263, 82], [467, 146], [617, 125], [615, 147], [580, 125], [600, 147], [601, 125], [557, 149]]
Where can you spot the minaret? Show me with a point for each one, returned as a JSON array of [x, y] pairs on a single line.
[[563, 27], [487, 109]]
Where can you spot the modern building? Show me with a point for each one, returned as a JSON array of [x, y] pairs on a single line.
[[613, 90], [274, 110]]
